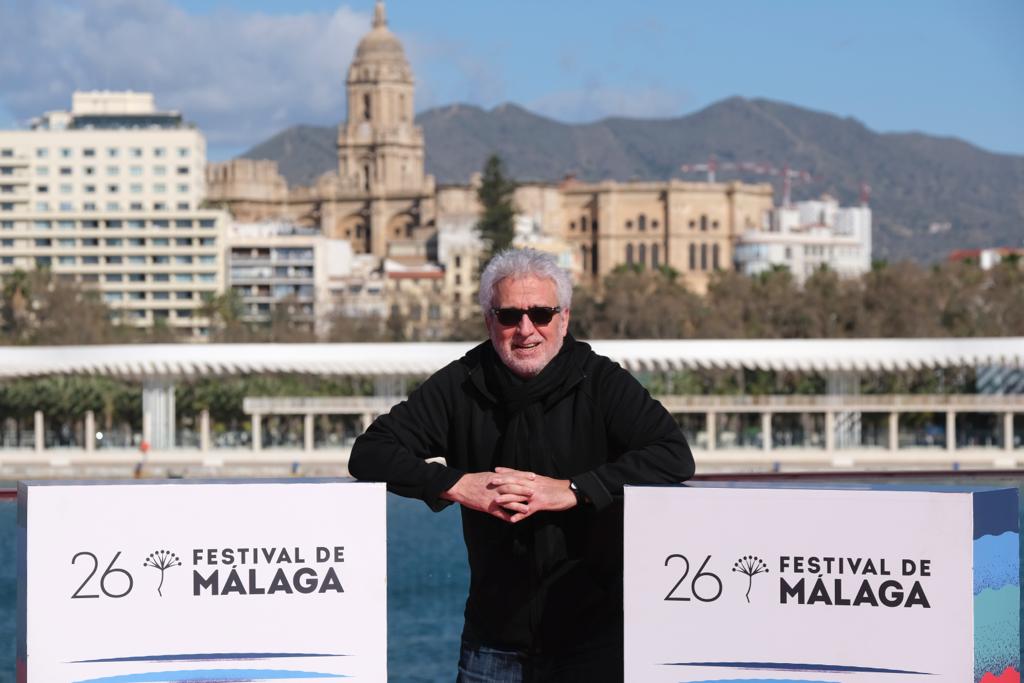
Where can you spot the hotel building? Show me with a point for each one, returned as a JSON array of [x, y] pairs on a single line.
[[108, 195]]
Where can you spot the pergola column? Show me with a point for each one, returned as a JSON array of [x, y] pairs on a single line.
[[766, 431], [894, 431], [830, 431], [204, 430], [90, 431], [950, 430], [711, 427], [307, 432], [40, 436], [1008, 431], [257, 432], [158, 413]]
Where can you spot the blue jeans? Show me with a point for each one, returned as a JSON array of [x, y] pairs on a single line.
[[483, 664]]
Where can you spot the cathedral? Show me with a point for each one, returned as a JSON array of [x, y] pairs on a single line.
[[381, 200]]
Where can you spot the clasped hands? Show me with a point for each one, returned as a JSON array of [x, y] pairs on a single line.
[[511, 495]]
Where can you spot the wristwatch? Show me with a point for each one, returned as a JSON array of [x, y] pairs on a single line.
[[581, 498]]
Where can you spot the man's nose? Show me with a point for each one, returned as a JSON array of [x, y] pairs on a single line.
[[525, 327]]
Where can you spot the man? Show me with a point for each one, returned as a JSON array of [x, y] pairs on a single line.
[[539, 434]]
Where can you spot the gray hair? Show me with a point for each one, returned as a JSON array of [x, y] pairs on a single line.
[[522, 263]]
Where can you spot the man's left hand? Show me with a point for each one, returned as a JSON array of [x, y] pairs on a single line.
[[545, 493]]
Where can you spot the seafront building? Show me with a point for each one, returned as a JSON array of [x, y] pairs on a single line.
[[807, 236], [109, 195]]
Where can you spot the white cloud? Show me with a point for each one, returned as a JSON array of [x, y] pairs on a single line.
[[240, 76], [598, 102]]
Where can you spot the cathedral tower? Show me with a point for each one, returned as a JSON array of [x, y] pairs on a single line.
[[380, 149]]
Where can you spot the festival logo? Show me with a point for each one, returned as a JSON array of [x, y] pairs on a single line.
[[162, 560], [750, 566]]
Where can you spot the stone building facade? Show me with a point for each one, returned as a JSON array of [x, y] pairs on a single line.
[[381, 199]]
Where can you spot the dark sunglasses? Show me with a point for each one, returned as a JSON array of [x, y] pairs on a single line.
[[539, 315]]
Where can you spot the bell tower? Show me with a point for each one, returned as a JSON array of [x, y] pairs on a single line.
[[380, 149]]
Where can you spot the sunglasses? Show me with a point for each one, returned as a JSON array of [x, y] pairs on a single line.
[[538, 315]]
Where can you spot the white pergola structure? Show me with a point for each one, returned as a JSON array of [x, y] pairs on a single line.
[[159, 366]]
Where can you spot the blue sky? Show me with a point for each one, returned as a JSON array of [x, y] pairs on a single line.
[[245, 69]]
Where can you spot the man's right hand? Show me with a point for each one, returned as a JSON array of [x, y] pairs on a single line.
[[477, 491]]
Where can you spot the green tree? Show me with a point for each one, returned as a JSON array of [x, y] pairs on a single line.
[[496, 195]]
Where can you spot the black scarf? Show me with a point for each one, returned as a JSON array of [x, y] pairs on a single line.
[[522, 404]]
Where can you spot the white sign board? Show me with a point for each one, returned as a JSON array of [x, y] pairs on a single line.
[[202, 581], [731, 583]]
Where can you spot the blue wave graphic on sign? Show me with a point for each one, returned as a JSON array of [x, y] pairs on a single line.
[[208, 657], [210, 676], [789, 666], [760, 680]]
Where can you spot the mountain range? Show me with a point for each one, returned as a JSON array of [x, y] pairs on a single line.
[[929, 195]]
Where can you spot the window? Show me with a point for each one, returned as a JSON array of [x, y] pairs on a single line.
[[159, 188], [182, 188], [66, 260], [89, 152], [113, 188], [113, 152], [135, 152], [629, 225], [159, 242], [113, 206], [206, 223], [42, 153], [136, 224], [41, 171], [41, 225], [66, 188], [6, 243], [159, 206], [183, 223], [629, 254], [65, 153], [641, 251], [159, 152], [183, 170], [66, 242], [90, 170], [90, 260], [113, 277], [114, 224], [88, 206], [641, 223], [90, 242], [111, 297], [693, 257], [207, 277], [136, 296], [135, 170], [183, 277], [135, 188], [43, 243], [113, 242], [42, 189], [703, 222], [655, 261], [161, 296], [714, 256], [42, 206], [65, 170], [182, 206], [135, 206], [208, 259], [136, 277], [160, 170], [183, 152], [161, 277], [703, 256], [183, 260], [212, 241], [183, 241], [89, 189], [137, 259], [183, 296], [113, 170], [161, 260], [6, 225], [162, 224]]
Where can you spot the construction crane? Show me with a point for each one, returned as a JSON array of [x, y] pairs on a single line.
[[788, 175]]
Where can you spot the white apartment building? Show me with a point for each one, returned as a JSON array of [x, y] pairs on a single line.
[[806, 236], [280, 264], [108, 195]]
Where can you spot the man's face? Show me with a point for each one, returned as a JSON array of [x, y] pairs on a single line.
[[526, 348]]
